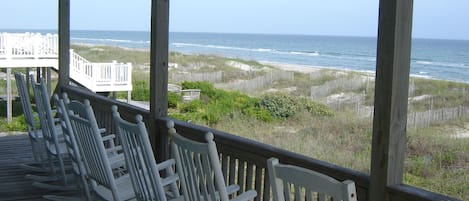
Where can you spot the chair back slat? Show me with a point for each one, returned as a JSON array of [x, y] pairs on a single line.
[[23, 91], [143, 169], [198, 167], [71, 141], [96, 162], [195, 165], [49, 129], [34, 133], [296, 183]]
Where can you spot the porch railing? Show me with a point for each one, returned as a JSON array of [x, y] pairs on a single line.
[[243, 160]]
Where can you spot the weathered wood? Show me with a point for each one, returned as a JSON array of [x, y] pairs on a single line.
[[64, 42], [391, 93], [402, 192], [49, 81], [159, 75], [159, 58], [224, 166], [16, 150], [259, 180]]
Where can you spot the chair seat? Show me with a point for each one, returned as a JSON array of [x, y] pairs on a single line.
[[124, 189]]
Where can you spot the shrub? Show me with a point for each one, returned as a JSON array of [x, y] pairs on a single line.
[[318, 109], [258, 113], [173, 100], [279, 105], [216, 104], [141, 91]]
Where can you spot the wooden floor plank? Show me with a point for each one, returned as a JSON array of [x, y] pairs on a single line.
[[15, 150]]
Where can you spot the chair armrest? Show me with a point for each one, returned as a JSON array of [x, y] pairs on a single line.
[[117, 161], [248, 195], [108, 137], [233, 188], [113, 150], [165, 164], [169, 180], [108, 141]]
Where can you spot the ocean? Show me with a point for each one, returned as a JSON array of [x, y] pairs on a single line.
[[431, 58]]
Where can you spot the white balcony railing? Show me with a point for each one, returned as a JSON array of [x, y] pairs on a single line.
[[37, 50]]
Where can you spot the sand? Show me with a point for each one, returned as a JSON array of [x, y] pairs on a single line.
[[293, 67]]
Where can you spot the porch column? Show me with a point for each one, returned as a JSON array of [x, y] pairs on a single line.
[[64, 42], [159, 75], [391, 93]]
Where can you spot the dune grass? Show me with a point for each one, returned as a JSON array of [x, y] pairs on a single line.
[[435, 159]]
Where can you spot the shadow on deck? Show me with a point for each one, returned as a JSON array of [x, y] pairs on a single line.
[[15, 150]]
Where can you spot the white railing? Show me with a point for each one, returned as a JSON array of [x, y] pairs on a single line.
[[28, 45], [101, 76], [37, 50]]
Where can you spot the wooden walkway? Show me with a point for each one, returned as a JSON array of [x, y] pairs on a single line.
[[15, 150]]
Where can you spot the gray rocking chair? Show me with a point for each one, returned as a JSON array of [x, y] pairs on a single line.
[[55, 148], [296, 183], [199, 169], [143, 169], [73, 150], [34, 133], [66, 107], [97, 163]]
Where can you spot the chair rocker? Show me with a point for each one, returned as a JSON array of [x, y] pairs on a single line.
[[296, 183], [199, 170], [144, 171]]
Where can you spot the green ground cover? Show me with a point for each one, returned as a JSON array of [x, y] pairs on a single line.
[[436, 160]]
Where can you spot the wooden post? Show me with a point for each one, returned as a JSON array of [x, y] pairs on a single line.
[[64, 43], [391, 93], [49, 81], [9, 99], [27, 80], [159, 74]]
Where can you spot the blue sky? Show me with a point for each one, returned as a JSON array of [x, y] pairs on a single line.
[[432, 18]]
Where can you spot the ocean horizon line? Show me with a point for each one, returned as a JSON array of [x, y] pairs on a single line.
[[233, 33]]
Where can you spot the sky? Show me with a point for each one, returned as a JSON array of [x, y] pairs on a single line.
[[432, 18]]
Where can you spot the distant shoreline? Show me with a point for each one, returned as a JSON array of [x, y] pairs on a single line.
[[281, 65]]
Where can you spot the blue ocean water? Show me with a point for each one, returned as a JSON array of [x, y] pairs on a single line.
[[432, 58]]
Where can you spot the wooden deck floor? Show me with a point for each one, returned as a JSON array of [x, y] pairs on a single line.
[[15, 150]]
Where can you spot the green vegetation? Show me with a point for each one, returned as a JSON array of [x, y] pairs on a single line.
[[436, 160], [18, 123], [216, 104]]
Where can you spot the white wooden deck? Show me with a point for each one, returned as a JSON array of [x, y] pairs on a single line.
[[20, 50]]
